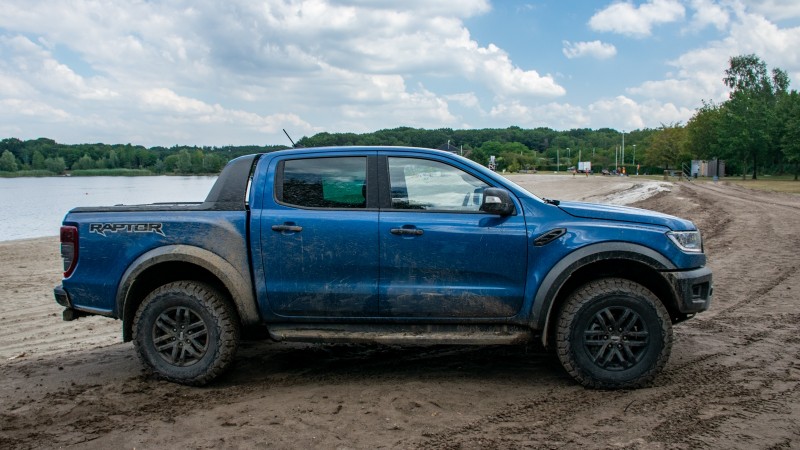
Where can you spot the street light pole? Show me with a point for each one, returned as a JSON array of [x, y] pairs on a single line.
[[634, 159]]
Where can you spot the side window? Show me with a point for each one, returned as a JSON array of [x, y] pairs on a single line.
[[325, 182], [433, 186]]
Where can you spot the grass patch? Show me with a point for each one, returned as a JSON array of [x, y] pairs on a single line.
[[111, 173], [27, 173], [772, 184]]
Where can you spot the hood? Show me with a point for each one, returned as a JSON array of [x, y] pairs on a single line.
[[625, 214]]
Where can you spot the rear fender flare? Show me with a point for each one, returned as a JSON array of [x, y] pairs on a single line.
[[236, 281]]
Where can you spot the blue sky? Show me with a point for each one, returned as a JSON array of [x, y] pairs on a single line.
[[237, 72]]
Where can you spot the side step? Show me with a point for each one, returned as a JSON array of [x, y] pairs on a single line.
[[402, 334]]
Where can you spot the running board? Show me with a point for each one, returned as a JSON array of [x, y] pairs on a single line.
[[403, 334]]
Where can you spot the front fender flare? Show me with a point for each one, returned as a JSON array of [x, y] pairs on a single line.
[[557, 276]]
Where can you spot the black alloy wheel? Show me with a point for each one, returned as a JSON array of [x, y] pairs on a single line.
[[613, 333], [186, 332]]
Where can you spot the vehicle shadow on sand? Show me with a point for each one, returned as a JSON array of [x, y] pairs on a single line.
[[294, 363]]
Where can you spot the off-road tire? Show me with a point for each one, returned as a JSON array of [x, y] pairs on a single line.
[[186, 332], [613, 334]]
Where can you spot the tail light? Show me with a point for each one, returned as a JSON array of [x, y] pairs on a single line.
[[69, 249]]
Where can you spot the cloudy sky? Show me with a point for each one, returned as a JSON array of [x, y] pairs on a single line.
[[219, 72]]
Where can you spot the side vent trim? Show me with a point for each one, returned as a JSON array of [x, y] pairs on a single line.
[[549, 236]]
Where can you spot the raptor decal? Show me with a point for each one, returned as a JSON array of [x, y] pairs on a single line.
[[103, 228]]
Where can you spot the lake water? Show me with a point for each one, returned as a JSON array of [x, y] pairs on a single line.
[[35, 207]]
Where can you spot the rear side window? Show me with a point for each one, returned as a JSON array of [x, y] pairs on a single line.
[[324, 182]]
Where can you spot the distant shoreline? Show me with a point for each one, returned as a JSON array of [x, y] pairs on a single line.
[[100, 173], [21, 241]]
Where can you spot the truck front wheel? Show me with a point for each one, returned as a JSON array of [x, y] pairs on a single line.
[[613, 334], [186, 332]]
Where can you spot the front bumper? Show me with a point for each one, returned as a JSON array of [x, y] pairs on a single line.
[[693, 289]]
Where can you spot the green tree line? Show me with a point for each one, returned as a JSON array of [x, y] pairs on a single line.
[[514, 148], [757, 130], [45, 156]]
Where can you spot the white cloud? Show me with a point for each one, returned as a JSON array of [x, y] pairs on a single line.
[[594, 49], [163, 99], [317, 62], [684, 91], [627, 19], [753, 33], [631, 115], [561, 116], [405, 43], [619, 112], [467, 100], [12, 86], [32, 68], [775, 9], [180, 109], [44, 111], [699, 72], [708, 12], [459, 8], [750, 33], [236, 72], [506, 79]]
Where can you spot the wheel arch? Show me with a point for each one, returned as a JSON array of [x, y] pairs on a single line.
[[183, 262], [611, 259]]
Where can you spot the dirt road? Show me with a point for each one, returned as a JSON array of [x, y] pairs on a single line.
[[733, 380]]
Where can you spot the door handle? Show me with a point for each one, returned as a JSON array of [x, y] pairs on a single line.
[[406, 231], [293, 228]]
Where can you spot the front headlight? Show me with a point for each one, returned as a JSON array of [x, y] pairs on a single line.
[[688, 241]]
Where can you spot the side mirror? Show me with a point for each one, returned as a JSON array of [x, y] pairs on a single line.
[[497, 201]]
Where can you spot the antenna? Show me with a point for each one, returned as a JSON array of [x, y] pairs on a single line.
[[290, 138]]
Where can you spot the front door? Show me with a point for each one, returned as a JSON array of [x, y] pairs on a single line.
[[440, 255]]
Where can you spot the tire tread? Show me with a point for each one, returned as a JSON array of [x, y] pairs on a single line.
[[224, 316], [589, 293]]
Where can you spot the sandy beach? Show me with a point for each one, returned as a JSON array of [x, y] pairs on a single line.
[[733, 380]]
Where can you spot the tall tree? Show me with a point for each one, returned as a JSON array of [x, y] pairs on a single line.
[[703, 132], [85, 162], [37, 161], [8, 163], [667, 147], [184, 162], [790, 132], [55, 165], [748, 129]]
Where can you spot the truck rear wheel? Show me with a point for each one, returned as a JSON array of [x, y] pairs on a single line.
[[613, 334], [186, 332]]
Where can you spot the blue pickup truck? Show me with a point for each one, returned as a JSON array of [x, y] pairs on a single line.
[[390, 245]]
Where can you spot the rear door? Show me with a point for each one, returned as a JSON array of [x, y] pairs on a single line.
[[320, 240], [440, 256]]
